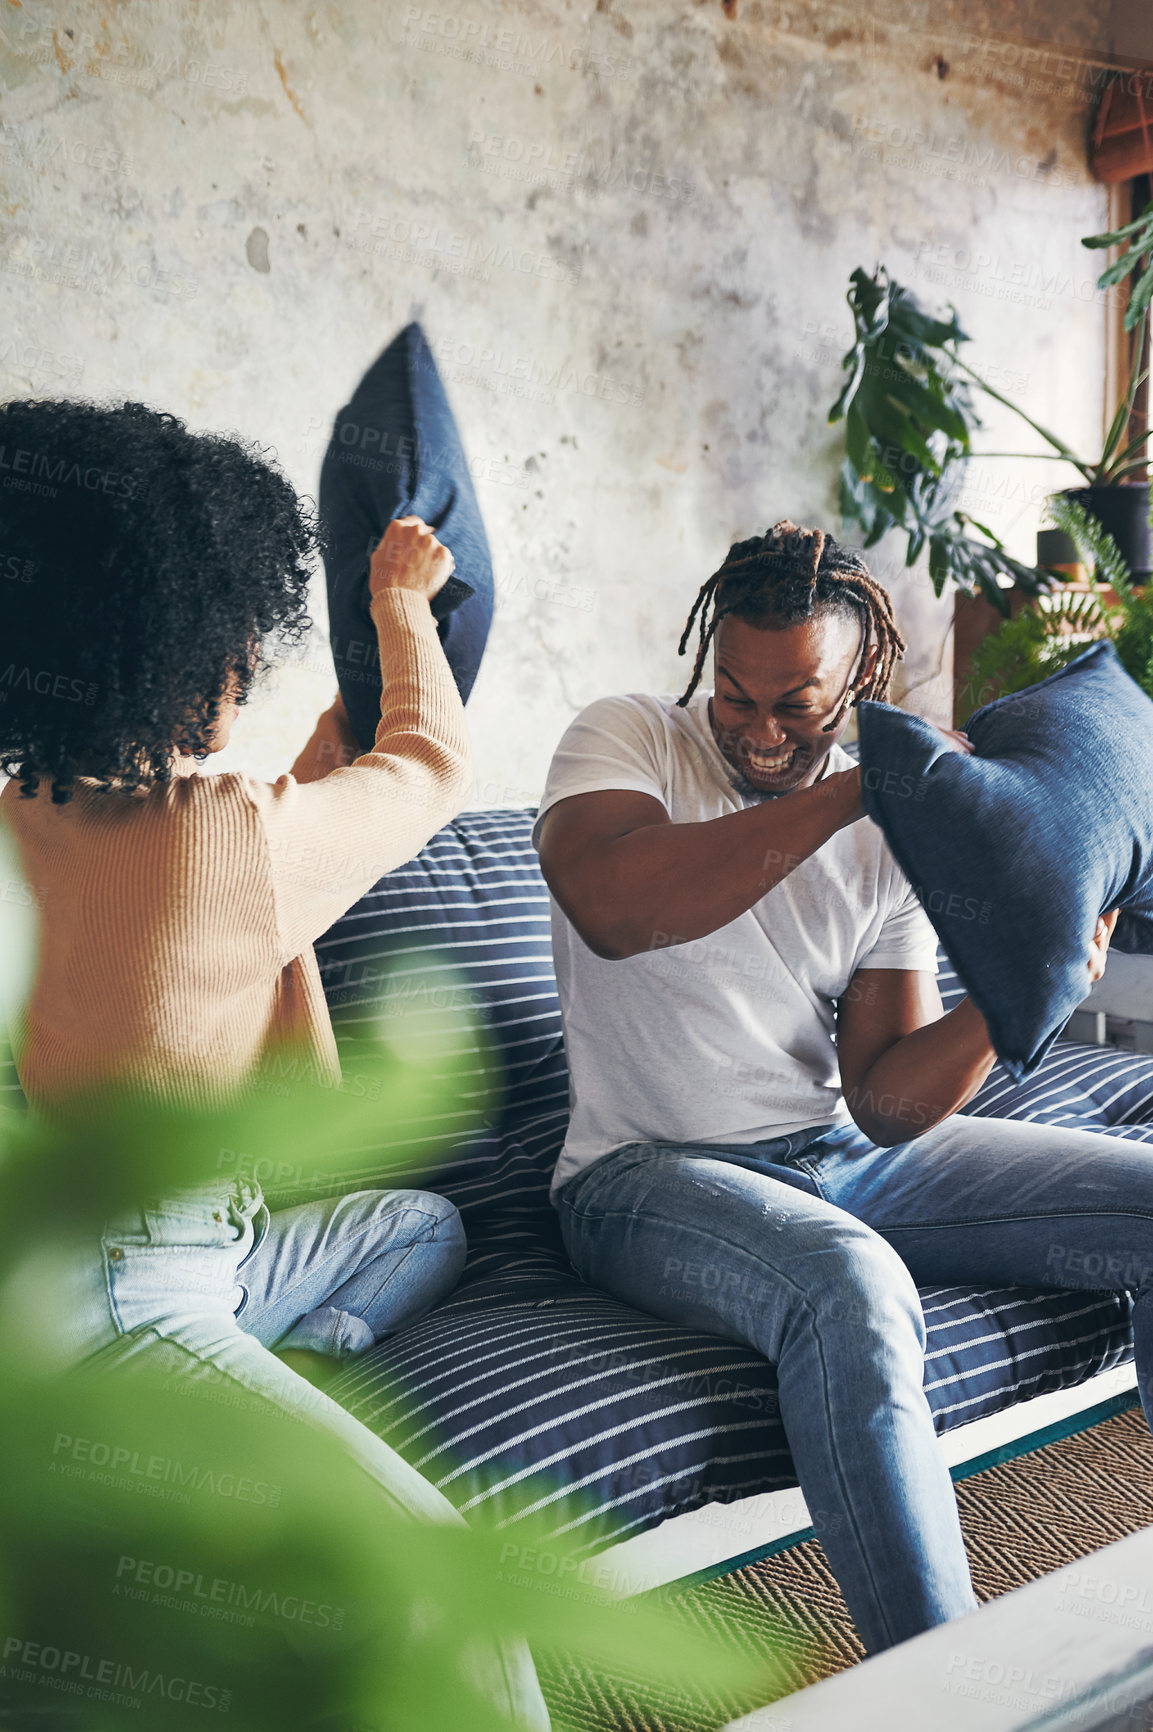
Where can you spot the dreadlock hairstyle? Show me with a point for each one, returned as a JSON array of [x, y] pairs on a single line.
[[788, 575]]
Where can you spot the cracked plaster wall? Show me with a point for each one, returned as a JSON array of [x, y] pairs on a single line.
[[628, 229]]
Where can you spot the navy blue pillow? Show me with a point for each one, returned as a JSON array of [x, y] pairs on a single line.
[[1015, 850], [395, 451]]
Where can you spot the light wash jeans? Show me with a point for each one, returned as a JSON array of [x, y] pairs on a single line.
[[210, 1273], [791, 1247]]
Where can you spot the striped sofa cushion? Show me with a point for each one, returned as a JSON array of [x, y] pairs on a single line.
[[530, 1393], [566, 1404], [475, 896]]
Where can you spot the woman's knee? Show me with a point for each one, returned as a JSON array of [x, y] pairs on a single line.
[[423, 1215], [438, 1235], [418, 1232], [448, 1233]]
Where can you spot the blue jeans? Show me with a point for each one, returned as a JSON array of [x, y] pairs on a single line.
[[340, 1275], [213, 1274], [808, 1250], [1002, 1202]]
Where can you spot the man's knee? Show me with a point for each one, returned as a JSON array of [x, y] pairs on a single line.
[[863, 1284]]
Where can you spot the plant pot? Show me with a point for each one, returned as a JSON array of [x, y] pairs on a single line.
[[1058, 551], [1123, 511]]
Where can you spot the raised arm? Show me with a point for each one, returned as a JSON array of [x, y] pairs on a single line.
[[331, 838], [331, 746], [630, 879]]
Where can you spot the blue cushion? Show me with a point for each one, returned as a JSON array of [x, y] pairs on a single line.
[[1015, 850], [395, 451], [528, 1390]]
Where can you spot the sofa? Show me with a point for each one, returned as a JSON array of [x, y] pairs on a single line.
[[528, 1393]]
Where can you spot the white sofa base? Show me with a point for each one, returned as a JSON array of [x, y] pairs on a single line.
[[721, 1536]]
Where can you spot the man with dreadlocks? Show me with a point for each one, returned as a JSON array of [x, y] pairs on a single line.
[[753, 1025]]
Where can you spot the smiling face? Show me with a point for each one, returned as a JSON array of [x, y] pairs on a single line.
[[775, 687]]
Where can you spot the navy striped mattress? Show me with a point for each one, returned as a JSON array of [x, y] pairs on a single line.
[[529, 1393]]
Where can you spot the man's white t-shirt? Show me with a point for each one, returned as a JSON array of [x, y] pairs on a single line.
[[729, 1038]]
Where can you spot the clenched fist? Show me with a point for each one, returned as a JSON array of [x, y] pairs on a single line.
[[408, 556]]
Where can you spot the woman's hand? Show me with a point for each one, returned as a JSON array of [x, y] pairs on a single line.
[[408, 556], [1099, 944]]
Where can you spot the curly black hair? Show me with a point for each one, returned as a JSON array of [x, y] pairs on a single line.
[[144, 570], [787, 575]]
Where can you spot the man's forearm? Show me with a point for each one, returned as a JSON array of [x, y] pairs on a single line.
[[924, 1077], [670, 883]]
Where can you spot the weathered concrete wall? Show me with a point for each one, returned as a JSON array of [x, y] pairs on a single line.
[[627, 226]]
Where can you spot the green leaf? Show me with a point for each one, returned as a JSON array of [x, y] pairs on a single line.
[[1141, 248], [1116, 236], [1121, 267], [861, 502], [868, 298], [921, 404], [858, 442], [249, 1512], [939, 562], [905, 433], [1139, 299], [1133, 446], [854, 363], [261, 1517], [1116, 428], [1096, 547]]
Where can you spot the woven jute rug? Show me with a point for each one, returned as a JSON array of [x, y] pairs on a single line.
[[1022, 1518]]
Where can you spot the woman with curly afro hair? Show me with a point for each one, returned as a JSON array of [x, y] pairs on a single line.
[[145, 572]]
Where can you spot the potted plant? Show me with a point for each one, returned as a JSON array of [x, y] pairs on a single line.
[[909, 412], [1052, 631], [909, 418], [1121, 502]]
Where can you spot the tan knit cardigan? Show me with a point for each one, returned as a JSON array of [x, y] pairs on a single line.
[[177, 922]]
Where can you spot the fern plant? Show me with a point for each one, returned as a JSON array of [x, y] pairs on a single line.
[[1130, 623], [1045, 638]]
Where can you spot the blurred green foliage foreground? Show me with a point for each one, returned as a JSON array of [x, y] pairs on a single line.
[[171, 1553]]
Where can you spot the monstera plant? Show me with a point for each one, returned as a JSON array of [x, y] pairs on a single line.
[[909, 408]]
